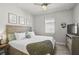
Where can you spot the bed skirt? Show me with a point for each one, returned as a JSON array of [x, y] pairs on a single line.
[[14, 51]]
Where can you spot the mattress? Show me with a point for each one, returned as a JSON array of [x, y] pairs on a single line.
[[21, 44]]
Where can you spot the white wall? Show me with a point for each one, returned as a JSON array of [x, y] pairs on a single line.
[[76, 13], [8, 8], [60, 16]]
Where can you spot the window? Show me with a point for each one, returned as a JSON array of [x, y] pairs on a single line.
[[50, 26], [75, 29]]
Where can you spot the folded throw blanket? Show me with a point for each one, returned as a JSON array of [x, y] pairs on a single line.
[[40, 48]]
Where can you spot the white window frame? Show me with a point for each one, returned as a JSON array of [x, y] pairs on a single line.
[[50, 21]]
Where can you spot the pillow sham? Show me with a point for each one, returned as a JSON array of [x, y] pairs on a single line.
[[11, 37], [20, 36]]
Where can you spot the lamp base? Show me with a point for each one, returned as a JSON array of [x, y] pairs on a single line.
[[0, 42]]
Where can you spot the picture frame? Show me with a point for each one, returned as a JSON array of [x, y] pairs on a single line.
[[63, 25], [22, 20], [12, 18]]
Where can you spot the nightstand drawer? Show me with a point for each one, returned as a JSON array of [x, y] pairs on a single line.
[[2, 52], [4, 49]]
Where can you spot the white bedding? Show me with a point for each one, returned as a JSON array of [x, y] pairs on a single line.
[[21, 44]]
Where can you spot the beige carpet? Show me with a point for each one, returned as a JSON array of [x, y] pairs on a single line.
[[61, 50]]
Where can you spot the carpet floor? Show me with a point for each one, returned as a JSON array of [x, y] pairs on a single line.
[[61, 50]]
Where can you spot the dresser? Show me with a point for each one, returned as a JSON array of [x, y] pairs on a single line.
[[72, 43]]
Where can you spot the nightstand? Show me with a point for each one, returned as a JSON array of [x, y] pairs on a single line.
[[4, 49]]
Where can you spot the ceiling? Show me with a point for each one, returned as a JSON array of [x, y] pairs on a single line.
[[36, 9]]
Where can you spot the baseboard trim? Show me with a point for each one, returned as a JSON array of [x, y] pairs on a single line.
[[60, 43]]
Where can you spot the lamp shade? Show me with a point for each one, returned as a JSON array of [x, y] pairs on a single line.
[[0, 35], [0, 38]]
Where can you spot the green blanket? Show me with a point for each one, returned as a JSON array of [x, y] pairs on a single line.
[[40, 48]]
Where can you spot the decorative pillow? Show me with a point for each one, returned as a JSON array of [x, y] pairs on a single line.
[[11, 37], [29, 34], [20, 36]]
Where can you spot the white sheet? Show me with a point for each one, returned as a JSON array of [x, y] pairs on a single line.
[[21, 44]]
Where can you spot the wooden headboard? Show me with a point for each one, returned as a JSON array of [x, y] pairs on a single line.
[[15, 28]]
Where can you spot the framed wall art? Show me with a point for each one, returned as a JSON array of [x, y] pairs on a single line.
[[22, 20], [63, 25], [12, 18]]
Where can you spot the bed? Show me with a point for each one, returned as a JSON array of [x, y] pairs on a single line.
[[36, 45]]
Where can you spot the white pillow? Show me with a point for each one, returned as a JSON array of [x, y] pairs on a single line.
[[31, 34], [20, 36]]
